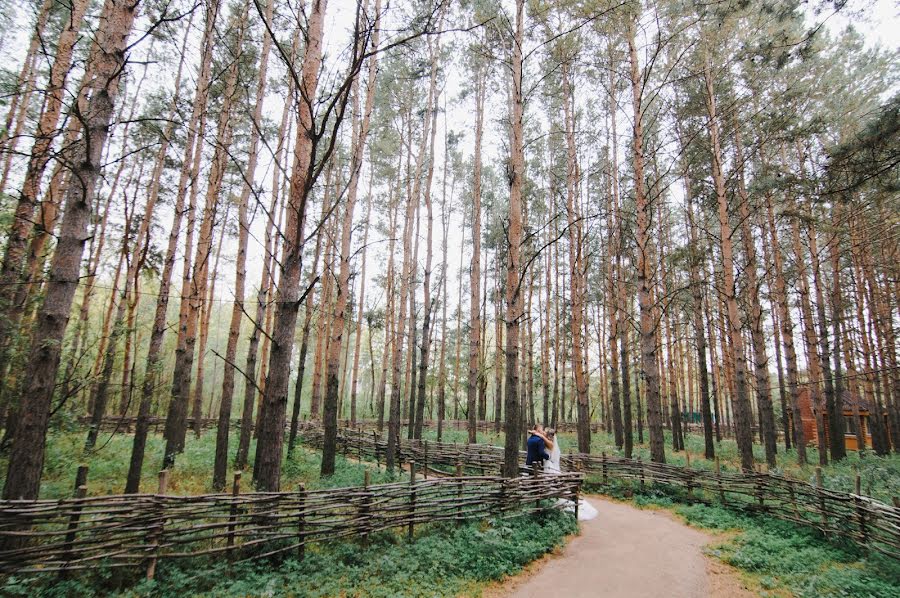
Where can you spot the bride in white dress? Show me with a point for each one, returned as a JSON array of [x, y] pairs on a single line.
[[586, 510]]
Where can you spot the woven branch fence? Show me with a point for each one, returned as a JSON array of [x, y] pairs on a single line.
[[868, 522], [139, 530]]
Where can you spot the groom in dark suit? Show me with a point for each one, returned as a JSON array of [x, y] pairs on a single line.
[[537, 449]]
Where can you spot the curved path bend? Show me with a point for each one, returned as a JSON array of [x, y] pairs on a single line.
[[631, 553]]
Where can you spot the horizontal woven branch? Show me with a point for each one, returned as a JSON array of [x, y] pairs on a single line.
[[861, 519], [130, 530]]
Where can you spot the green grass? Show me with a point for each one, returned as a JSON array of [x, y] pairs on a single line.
[[782, 556], [445, 560], [192, 474]]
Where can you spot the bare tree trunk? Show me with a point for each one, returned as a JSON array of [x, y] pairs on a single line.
[[102, 77], [154, 362], [223, 428], [709, 450], [475, 266], [757, 332], [811, 342], [445, 226], [427, 302], [743, 416], [787, 334], [176, 419], [644, 252], [41, 153], [837, 430], [20, 101], [514, 251], [267, 468], [335, 339], [613, 272], [205, 315]]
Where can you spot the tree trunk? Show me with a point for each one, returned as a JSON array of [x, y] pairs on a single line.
[[267, 469], [335, 339], [757, 333], [153, 363], [743, 415], [176, 418], [40, 156], [475, 266], [102, 76], [644, 253], [513, 256]]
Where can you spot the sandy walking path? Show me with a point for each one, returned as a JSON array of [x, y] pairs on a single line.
[[631, 553]]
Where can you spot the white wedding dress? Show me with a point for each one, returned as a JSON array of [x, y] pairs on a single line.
[[586, 510]]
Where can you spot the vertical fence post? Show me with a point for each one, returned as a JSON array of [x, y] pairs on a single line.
[[425, 458], [412, 500], [359, 438], [605, 473], [641, 465], [719, 480], [820, 491], [233, 511], [759, 488], [375, 444], [156, 536], [459, 493], [301, 521], [72, 527], [860, 511], [364, 508]]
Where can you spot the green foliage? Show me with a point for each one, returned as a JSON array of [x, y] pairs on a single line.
[[795, 558], [108, 465], [445, 560]]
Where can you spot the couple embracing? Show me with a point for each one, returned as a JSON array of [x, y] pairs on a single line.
[[543, 451]]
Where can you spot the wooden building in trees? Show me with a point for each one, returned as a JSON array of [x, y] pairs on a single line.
[[851, 402]]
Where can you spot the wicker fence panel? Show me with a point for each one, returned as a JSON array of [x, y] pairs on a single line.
[[135, 530]]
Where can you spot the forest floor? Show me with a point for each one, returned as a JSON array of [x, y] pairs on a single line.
[[626, 551]]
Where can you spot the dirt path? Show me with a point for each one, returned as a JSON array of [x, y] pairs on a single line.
[[631, 553]]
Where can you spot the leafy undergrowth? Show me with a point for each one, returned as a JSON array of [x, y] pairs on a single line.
[[782, 557], [445, 560], [192, 474]]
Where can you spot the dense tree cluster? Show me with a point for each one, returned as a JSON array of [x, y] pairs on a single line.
[[651, 216]]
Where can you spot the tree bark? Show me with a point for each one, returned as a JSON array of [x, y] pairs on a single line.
[[102, 77], [514, 251], [743, 415], [267, 470], [335, 339]]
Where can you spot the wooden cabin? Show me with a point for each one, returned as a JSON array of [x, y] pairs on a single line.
[[851, 402]]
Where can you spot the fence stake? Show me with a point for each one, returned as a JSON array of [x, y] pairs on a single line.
[[156, 537], [359, 437], [641, 464], [719, 480], [301, 521], [603, 461], [412, 499], [425, 459], [72, 528], [459, 493], [375, 443], [860, 511], [759, 489], [232, 516], [820, 492], [364, 508]]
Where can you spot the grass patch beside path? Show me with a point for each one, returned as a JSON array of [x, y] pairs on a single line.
[[783, 558], [445, 560]]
